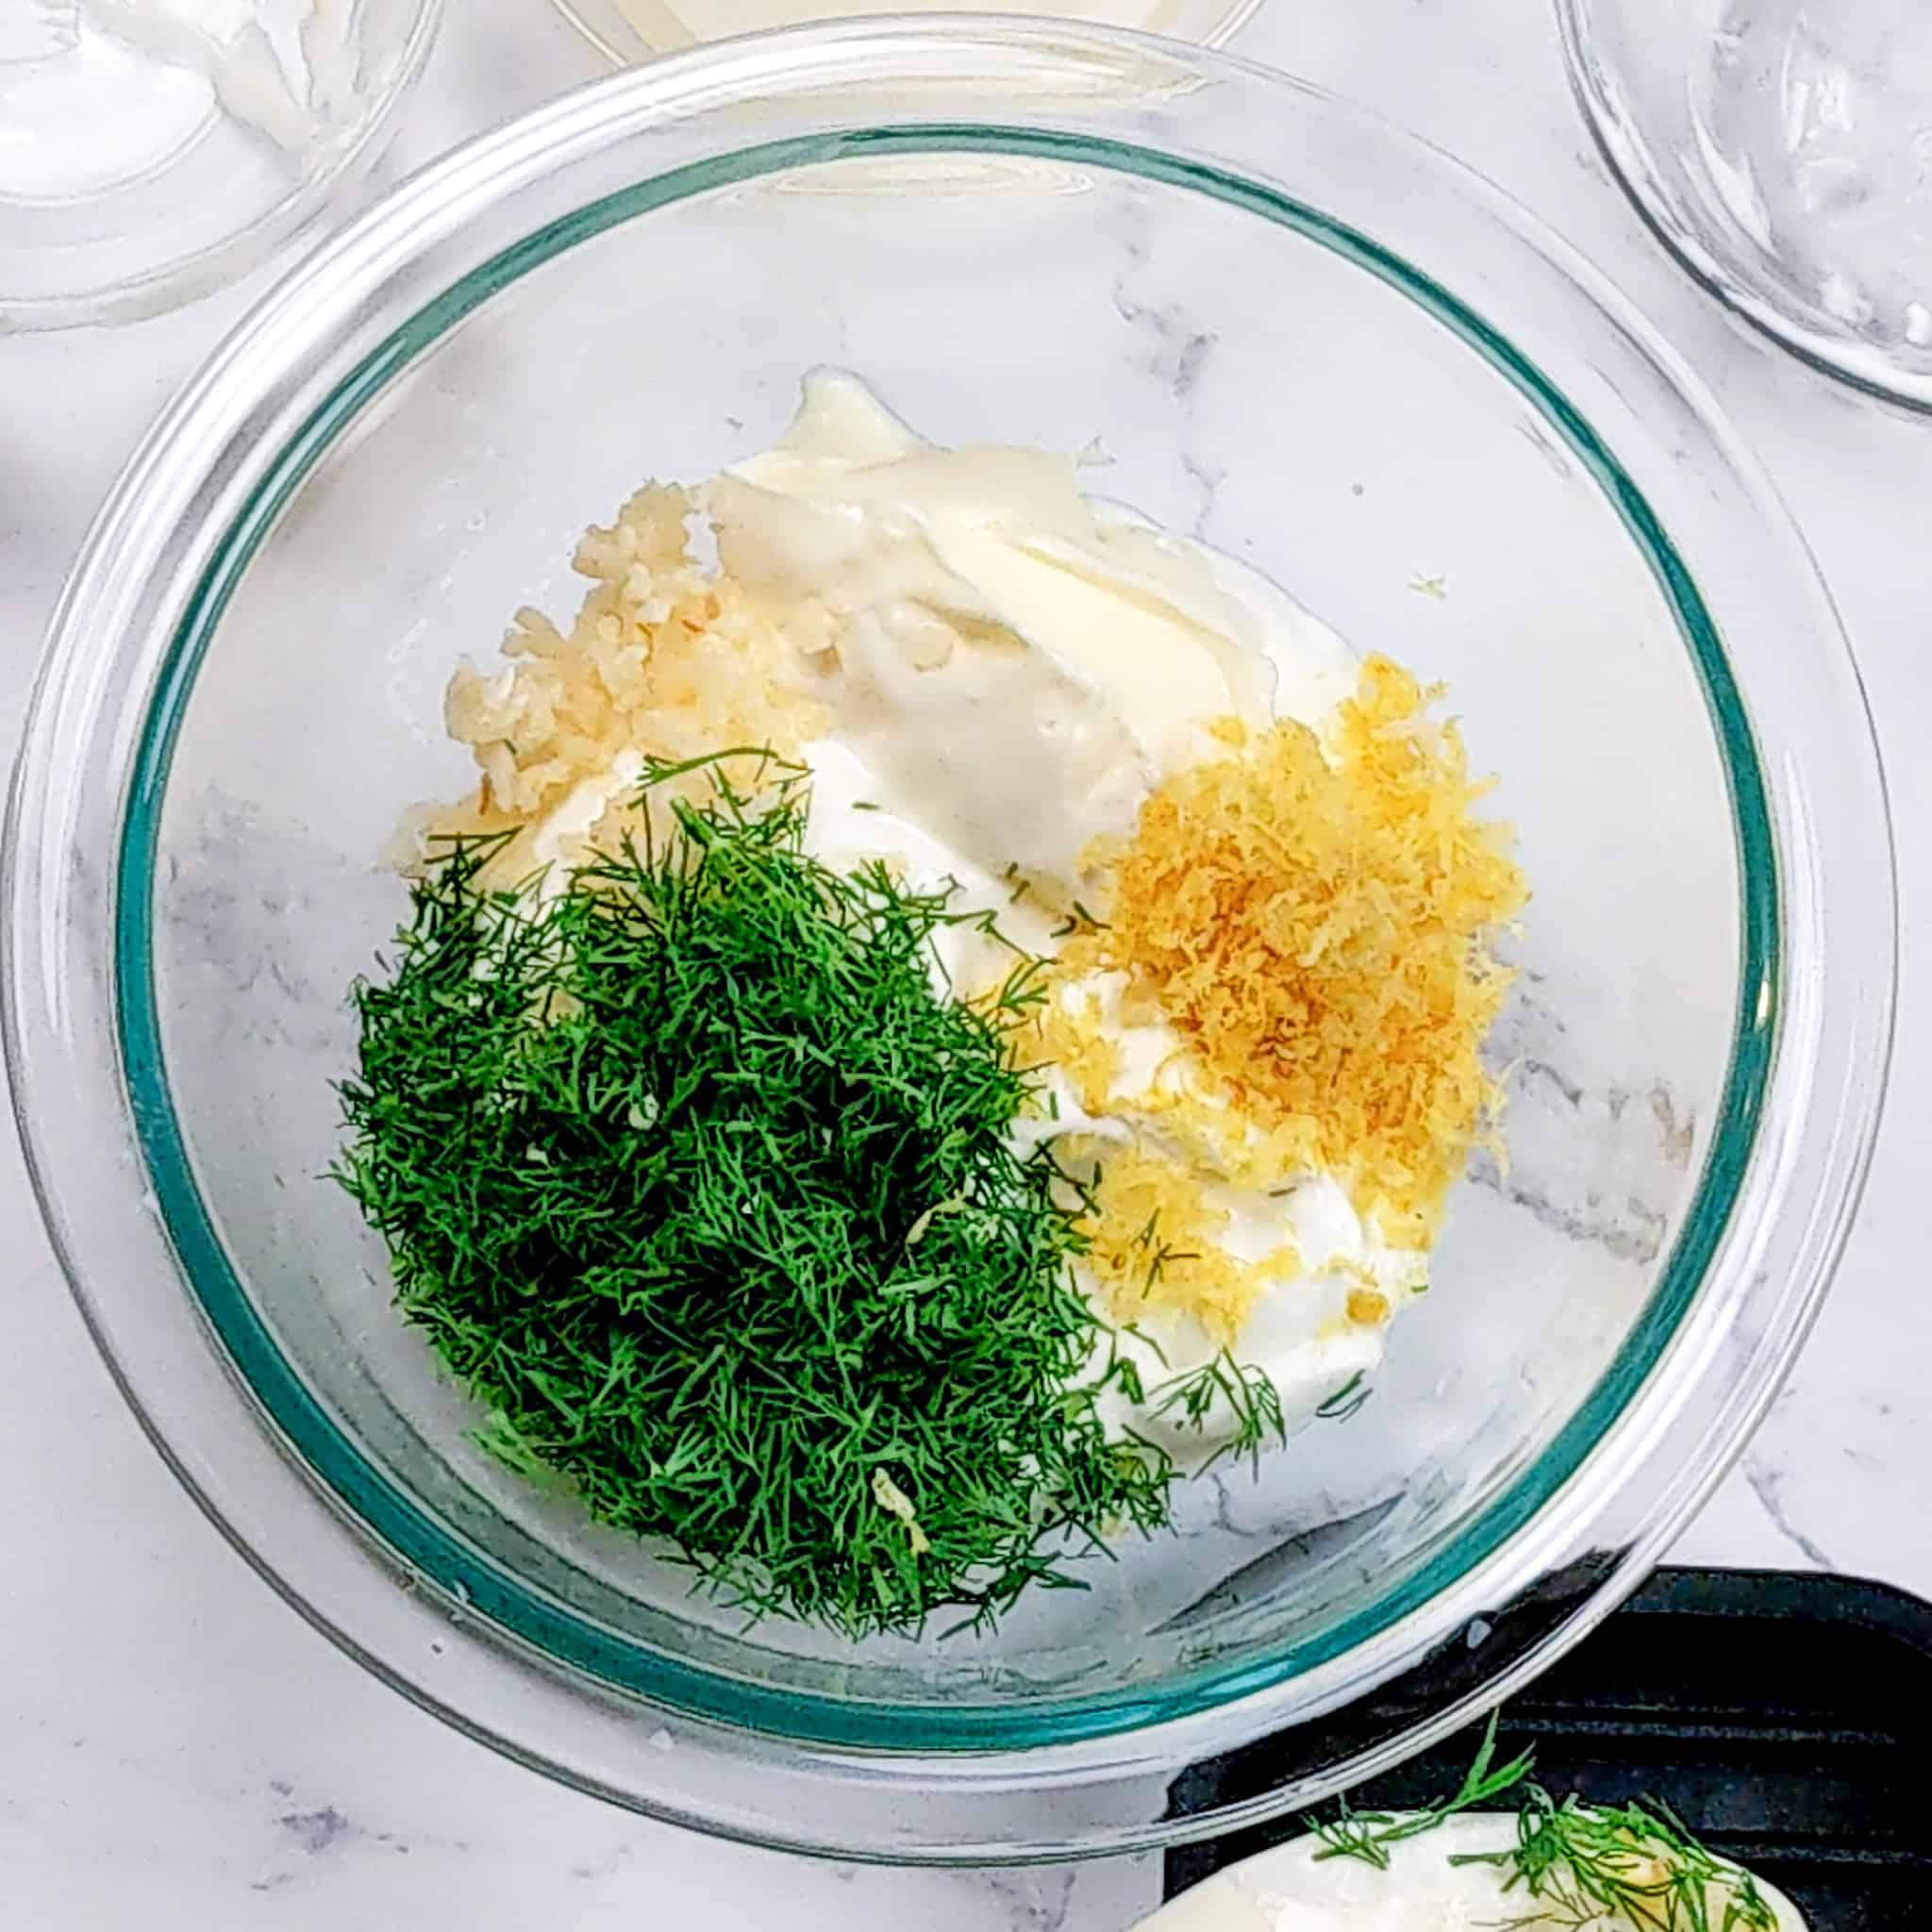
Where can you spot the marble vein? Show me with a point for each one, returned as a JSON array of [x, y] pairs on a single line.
[[1768, 1484]]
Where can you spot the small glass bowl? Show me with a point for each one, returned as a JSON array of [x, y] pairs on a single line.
[[1333, 352], [628, 31], [153, 150], [1784, 152]]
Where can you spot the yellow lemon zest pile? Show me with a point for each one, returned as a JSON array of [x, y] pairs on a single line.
[[1316, 923], [1073, 1038]]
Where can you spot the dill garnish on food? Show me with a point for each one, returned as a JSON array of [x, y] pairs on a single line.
[[695, 1178], [1367, 1835], [1587, 1868], [1609, 1865]]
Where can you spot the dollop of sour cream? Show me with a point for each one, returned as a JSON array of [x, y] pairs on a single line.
[[1011, 668], [1291, 1890]]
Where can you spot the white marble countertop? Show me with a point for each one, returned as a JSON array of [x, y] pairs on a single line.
[[179, 1750]]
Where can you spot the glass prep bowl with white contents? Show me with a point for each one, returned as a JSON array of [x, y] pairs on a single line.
[[628, 30], [153, 150], [1335, 356], [1784, 153]]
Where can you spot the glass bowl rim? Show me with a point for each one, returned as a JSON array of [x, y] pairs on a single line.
[[575, 1641], [1235, 15], [50, 948]]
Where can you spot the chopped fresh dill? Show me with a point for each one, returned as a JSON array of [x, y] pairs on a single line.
[[1251, 1399], [1346, 1400], [1162, 1255], [1601, 1866], [1585, 1866], [1368, 1834], [1080, 920], [696, 1181]]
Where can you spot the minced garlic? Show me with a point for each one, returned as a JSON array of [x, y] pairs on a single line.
[[666, 661]]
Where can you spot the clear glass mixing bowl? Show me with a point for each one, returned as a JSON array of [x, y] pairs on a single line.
[[1332, 352], [1783, 149], [153, 150]]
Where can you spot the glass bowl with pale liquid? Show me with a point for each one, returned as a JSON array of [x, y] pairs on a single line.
[[1783, 151], [153, 150], [630, 30]]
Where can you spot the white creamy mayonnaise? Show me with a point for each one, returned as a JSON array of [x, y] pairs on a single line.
[[1299, 1334], [1019, 665], [1290, 1889], [557, 835], [1011, 668]]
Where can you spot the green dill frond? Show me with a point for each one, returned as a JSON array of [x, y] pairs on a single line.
[[701, 1187]]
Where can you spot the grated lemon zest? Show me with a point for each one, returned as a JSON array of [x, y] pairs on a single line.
[[1155, 1241], [1317, 924]]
